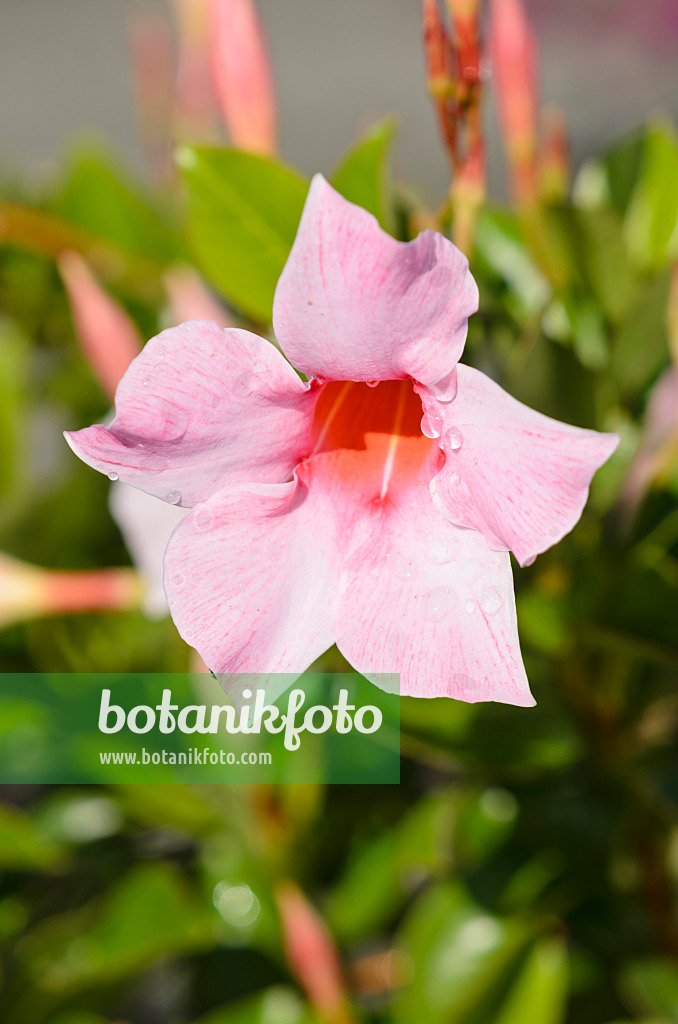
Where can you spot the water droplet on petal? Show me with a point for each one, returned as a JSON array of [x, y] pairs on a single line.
[[113, 477], [440, 551], [145, 382], [470, 606], [204, 521], [491, 601], [259, 368], [452, 440], [371, 383], [174, 497], [431, 423], [529, 561], [177, 580], [438, 602], [445, 389], [471, 569]]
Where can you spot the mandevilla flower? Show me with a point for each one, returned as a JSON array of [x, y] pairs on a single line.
[[330, 511]]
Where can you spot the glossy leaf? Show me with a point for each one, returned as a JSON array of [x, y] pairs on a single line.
[[652, 217], [242, 216], [364, 174]]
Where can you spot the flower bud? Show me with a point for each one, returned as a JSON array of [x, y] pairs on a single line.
[[241, 74], [513, 53], [107, 334], [29, 592], [311, 954]]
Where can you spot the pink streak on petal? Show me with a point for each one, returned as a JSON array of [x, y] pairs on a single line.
[[250, 577], [191, 299], [354, 304], [108, 336], [199, 408], [241, 74], [519, 477]]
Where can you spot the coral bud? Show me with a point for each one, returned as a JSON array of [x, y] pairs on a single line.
[[190, 298], [513, 53], [29, 592], [195, 106], [241, 74], [107, 335], [153, 74], [311, 954]]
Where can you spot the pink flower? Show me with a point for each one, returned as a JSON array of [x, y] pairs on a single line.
[[321, 513]]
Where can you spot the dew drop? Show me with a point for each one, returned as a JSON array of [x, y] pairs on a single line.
[[452, 440], [471, 569], [177, 580], [439, 552], [529, 561], [445, 389], [491, 601], [113, 477], [204, 521], [371, 383], [470, 606], [438, 602], [145, 382], [259, 368], [174, 497], [431, 423], [454, 480]]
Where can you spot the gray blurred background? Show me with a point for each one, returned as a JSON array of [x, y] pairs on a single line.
[[65, 75]]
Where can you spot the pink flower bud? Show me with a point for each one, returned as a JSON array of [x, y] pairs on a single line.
[[513, 51], [241, 74], [153, 75], [28, 592], [190, 298], [107, 335], [195, 107], [554, 156], [311, 954]]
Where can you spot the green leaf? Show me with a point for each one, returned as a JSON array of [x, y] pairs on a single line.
[[242, 217], [276, 1006], [364, 174], [100, 199], [539, 996], [151, 913], [652, 218], [640, 348], [463, 958], [651, 986], [24, 845]]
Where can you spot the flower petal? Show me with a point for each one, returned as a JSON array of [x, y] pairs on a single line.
[[199, 408], [264, 579], [519, 477], [250, 577], [355, 304], [432, 602]]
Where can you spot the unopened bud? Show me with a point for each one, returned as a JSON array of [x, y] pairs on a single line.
[[107, 334]]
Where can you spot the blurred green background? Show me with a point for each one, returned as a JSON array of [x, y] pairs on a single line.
[[526, 869]]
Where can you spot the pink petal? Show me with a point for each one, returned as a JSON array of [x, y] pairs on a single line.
[[432, 602], [519, 477], [264, 579], [242, 75], [199, 408], [354, 304], [251, 580], [108, 336]]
